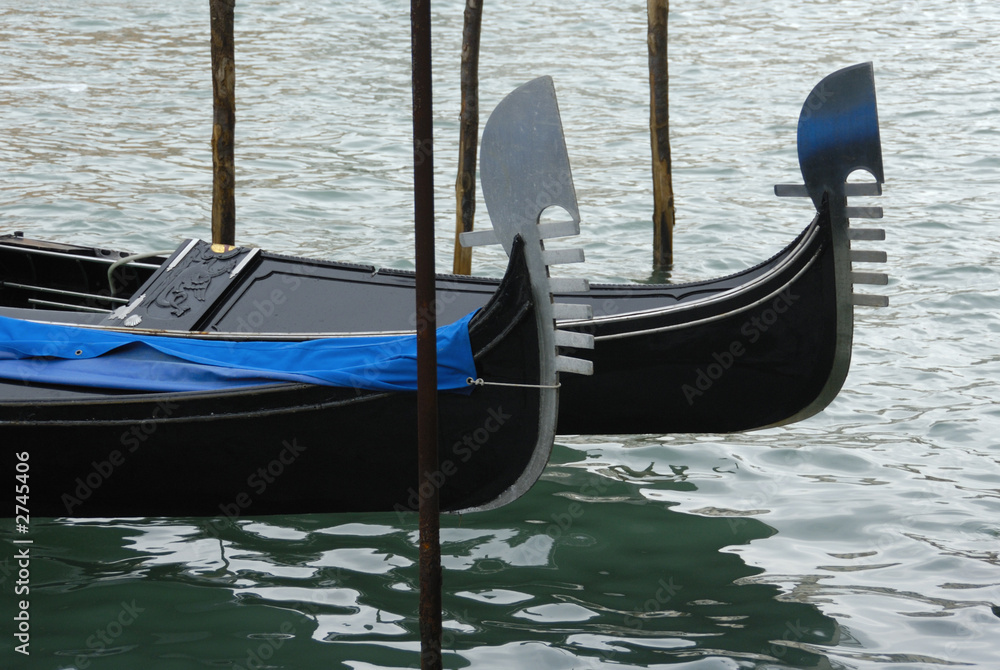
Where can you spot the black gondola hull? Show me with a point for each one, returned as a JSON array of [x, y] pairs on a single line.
[[759, 348], [291, 448], [304, 450]]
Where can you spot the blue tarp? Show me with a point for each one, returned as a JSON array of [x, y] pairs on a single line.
[[87, 357]]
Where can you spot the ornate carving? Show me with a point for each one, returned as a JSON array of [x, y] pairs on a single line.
[[195, 278]]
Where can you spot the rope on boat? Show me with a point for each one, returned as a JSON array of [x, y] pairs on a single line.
[[482, 382]]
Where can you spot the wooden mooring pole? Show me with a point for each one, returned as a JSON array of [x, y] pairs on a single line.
[[663, 189], [224, 122], [465, 183], [427, 411]]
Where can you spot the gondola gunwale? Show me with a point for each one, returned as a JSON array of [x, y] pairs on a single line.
[[747, 307], [803, 246]]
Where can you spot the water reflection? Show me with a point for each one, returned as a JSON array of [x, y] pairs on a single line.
[[650, 584], [586, 565]]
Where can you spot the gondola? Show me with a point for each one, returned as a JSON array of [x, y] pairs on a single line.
[[159, 409], [764, 347]]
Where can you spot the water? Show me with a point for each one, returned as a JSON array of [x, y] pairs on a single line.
[[864, 537]]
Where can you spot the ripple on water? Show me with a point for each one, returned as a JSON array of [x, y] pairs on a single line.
[[864, 537]]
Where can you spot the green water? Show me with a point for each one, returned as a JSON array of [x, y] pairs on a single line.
[[864, 537], [581, 571]]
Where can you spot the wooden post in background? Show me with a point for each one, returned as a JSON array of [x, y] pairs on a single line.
[[663, 190], [465, 184], [224, 121]]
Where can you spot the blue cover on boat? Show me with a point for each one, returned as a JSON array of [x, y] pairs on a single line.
[[86, 357]]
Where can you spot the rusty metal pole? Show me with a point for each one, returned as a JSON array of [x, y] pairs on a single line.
[[663, 189], [465, 183], [427, 411], [224, 122]]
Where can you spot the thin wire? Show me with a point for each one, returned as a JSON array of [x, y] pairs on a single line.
[[482, 382]]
